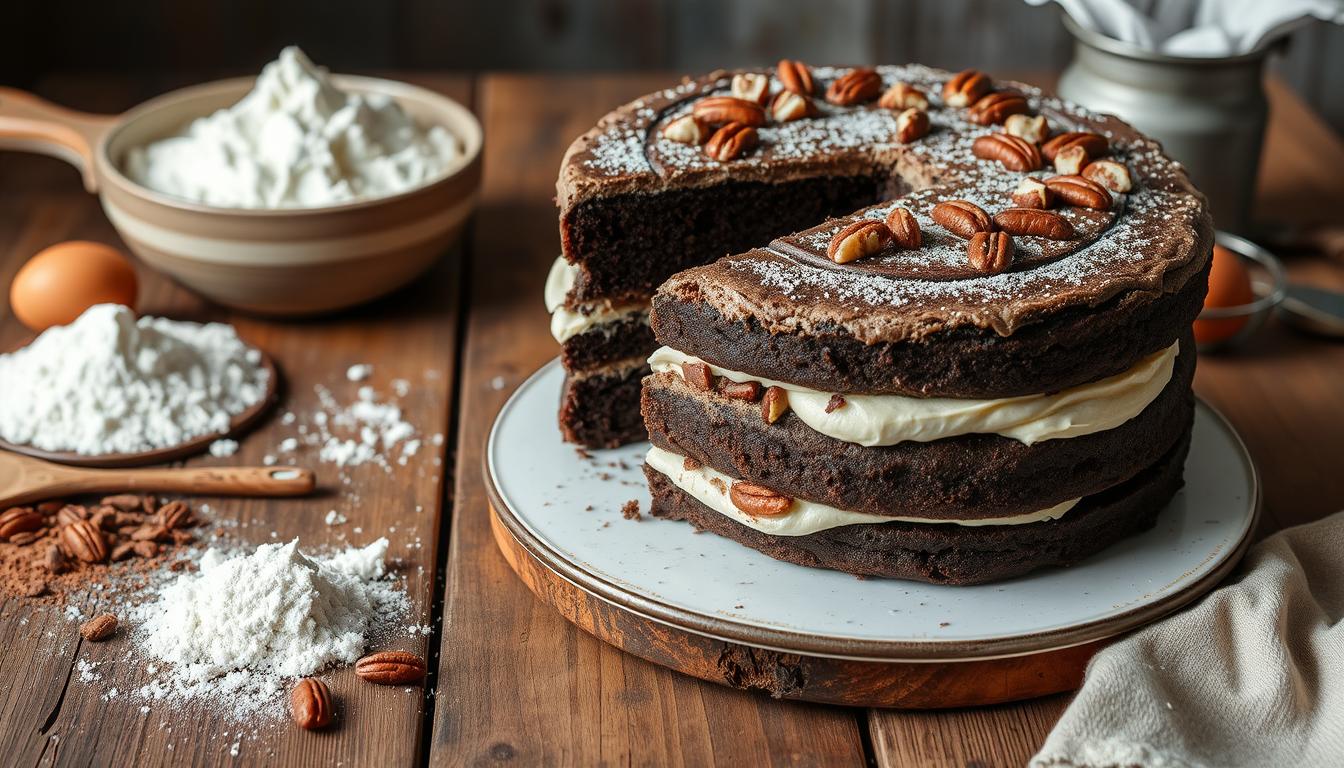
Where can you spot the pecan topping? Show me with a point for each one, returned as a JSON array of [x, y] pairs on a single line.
[[1069, 161], [740, 390], [757, 500], [903, 96], [174, 514], [962, 217], [904, 229], [990, 252], [310, 704], [789, 106], [774, 404], [912, 125], [718, 110], [19, 520], [1031, 192], [1032, 128], [1076, 190], [126, 502], [1109, 174], [98, 628], [731, 142], [687, 129], [1034, 222], [1094, 143], [71, 513], [795, 76], [84, 541], [1014, 153], [391, 667], [862, 238], [854, 87], [122, 551], [994, 108], [836, 402], [698, 375], [750, 86], [966, 87]]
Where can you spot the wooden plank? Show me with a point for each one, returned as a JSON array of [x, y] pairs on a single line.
[[516, 681], [1281, 392], [50, 716]]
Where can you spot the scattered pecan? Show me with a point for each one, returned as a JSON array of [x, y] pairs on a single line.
[[49, 508], [1070, 161], [1095, 144], [1034, 223], [698, 375], [994, 108], [1032, 128], [145, 548], [126, 502], [795, 76], [25, 538], [19, 520], [720, 110], [750, 86], [122, 551], [854, 87], [903, 96], [1109, 174], [966, 87], [962, 217], [391, 668], [84, 541], [789, 106], [687, 129], [860, 239], [990, 252], [1076, 190], [904, 229], [1014, 153], [774, 404], [1031, 192], [174, 514], [55, 561], [912, 125], [71, 513], [740, 390], [757, 500], [731, 142], [310, 704], [98, 628]]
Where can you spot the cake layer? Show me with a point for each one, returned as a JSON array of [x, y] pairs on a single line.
[[623, 339], [600, 409], [1074, 346], [947, 553], [967, 477]]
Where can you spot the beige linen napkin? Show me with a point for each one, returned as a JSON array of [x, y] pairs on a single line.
[[1252, 675]]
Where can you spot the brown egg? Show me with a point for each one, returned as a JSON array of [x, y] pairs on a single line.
[[60, 282], [1229, 286]]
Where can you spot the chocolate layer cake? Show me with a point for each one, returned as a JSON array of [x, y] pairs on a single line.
[[980, 368]]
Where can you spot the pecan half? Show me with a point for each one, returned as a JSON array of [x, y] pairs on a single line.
[[990, 252], [904, 229], [903, 96], [854, 87], [687, 129], [310, 704], [994, 108], [966, 88], [71, 513], [751, 87], [858, 240], [795, 76], [1012, 152], [126, 502], [912, 125], [774, 404], [84, 541], [718, 110], [19, 520], [174, 514], [1069, 161], [98, 628], [1094, 143], [1109, 174], [698, 375], [1034, 222], [757, 500], [789, 106], [749, 391], [25, 538], [391, 668], [1076, 190], [731, 142], [122, 551], [1032, 128], [1031, 192], [962, 217]]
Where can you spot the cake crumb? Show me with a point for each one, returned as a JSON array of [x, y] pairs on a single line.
[[630, 510], [690, 464]]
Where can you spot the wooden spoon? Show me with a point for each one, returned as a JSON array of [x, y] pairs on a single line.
[[24, 480]]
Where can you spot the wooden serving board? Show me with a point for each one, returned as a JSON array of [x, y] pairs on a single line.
[[710, 608]]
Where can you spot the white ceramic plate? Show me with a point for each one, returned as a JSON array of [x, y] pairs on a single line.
[[565, 507]]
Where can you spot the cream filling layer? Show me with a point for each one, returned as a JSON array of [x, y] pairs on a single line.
[[567, 323], [710, 487], [872, 420]]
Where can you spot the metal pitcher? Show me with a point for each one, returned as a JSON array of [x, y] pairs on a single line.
[[1208, 113]]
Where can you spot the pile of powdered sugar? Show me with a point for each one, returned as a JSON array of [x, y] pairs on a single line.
[[108, 383], [243, 627]]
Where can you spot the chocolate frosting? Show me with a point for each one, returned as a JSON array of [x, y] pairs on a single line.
[[1151, 241]]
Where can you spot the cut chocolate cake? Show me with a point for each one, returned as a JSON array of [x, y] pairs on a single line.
[[986, 373]]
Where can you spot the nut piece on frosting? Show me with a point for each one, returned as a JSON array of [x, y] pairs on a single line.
[[904, 229], [1109, 174], [858, 240], [795, 77], [1095, 144], [1070, 161], [789, 106], [1076, 190], [718, 110], [687, 129], [731, 142], [966, 87], [996, 107], [1031, 192], [1032, 128], [750, 86], [1013, 153], [774, 404], [962, 218], [854, 87], [912, 125], [990, 252], [698, 375], [1034, 223], [757, 500], [903, 96]]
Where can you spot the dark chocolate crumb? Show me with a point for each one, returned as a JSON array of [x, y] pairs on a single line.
[[630, 510]]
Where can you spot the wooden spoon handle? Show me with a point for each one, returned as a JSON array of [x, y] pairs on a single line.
[[208, 481], [30, 123]]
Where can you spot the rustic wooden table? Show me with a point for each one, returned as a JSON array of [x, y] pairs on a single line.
[[514, 681]]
